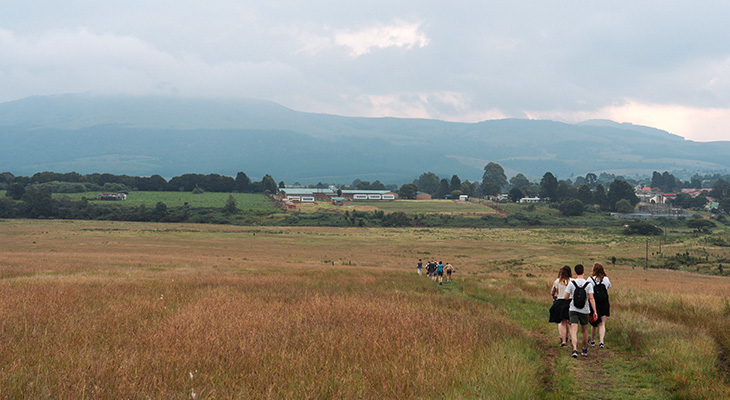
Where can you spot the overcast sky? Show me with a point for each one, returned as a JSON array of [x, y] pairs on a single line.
[[664, 64]]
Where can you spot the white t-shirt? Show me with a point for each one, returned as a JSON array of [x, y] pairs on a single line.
[[589, 290], [604, 280], [560, 288]]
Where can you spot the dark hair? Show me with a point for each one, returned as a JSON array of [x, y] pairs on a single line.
[[565, 274], [598, 271], [579, 269]]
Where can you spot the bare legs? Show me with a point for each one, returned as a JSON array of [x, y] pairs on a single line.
[[601, 330], [564, 330], [574, 335]]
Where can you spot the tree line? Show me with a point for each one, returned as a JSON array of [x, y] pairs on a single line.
[[606, 191], [73, 182]]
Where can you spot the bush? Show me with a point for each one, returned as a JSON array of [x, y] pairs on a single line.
[[397, 219], [624, 206], [642, 228], [702, 225], [571, 208]]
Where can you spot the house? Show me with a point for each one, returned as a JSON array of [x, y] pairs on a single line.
[[694, 192], [338, 201], [307, 195], [112, 196], [463, 197], [530, 200], [423, 196], [369, 195]]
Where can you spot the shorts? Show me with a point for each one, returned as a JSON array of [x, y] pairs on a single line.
[[441, 273], [579, 318], [448, 272]]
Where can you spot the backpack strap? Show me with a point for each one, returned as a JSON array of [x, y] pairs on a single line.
[[585, 284]]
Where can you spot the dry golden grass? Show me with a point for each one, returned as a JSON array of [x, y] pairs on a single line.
[[127, 310]]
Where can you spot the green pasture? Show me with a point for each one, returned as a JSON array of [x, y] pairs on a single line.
[[244, 201]]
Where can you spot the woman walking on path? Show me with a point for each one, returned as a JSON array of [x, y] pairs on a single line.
[[559, 310], [600, 294]]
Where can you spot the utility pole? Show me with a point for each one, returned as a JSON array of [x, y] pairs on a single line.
[[646, 265]]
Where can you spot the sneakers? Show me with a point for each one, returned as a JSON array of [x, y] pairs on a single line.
[[601, 345], [575, 354], [592, 342], [585, 352], [563, 345]]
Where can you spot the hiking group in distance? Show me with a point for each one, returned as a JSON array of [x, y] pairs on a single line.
[[580, 301], [435, 270]]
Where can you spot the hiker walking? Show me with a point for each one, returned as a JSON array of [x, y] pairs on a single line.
[[420, 267], [430, 269], [449, 269], [559, 312], [440, 272], [580, 308], [600, 283]]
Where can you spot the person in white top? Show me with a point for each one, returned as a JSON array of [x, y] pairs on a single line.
[[559, 310], [580, 315], [603, 307]]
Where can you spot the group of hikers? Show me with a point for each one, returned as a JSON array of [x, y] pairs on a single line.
[[435, 270], [580, 301]]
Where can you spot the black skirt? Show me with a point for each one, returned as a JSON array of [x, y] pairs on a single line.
[[559, 310]]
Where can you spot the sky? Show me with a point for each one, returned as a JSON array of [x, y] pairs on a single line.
[[664, 64]]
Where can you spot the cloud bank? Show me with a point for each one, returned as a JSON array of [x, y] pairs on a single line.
[[663, 64]]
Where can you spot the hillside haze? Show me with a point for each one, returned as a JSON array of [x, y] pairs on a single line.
[[169, 136]]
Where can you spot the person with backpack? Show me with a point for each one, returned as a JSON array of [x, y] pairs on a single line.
[[559, 312], [580, 308], [603, 307], [440, 272]]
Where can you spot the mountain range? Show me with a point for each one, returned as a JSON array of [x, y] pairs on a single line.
[[143, 136]]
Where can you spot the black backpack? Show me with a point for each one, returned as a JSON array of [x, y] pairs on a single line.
[[580, 295], [600, 294]]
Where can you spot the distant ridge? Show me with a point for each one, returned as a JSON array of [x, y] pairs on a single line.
[[171, 136]]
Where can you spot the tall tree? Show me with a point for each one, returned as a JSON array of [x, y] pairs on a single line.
[[566, 191], [620, 189], [408, 191], [720, 189], [600, 198], [591, 180], [230, 207], [515, 194], [243, 183], [519, 181], [377, 185], [268, 184], [455, 183], [585, 195], [549, 187], [428, 182], [493, 179], [443, 189]]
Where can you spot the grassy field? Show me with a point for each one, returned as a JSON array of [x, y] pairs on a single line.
[[244, 201], [133, 310], [406, 206]]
